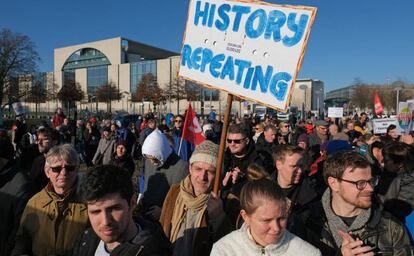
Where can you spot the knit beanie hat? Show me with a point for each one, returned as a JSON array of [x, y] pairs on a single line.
[[206, 152]]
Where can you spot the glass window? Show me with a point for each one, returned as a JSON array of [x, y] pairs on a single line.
[[138, 69], [97, 77]]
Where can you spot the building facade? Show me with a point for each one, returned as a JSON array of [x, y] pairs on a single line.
[[122, 63]]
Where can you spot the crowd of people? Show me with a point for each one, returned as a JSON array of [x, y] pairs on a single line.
[[296, 187]]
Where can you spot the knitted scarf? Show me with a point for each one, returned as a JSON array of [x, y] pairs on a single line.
[[187, 200], [335, 223]]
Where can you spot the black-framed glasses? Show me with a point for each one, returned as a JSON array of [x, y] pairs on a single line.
[[362, 184], [68, 168], [236, 141]]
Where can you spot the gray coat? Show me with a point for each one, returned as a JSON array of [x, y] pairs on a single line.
[[105, 150], [158, 180]]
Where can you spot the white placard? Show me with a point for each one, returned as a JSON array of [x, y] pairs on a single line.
[[335, 112], [380, 125], [18, 108], [252, 50]]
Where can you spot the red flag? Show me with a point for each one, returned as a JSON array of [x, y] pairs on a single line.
[[377, 105], [192, 129]]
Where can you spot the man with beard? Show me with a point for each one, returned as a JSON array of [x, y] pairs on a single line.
[[298, 187], [347, 221], [46, 139], [108, 192]]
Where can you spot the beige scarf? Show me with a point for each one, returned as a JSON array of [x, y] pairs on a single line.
[[187, 200]]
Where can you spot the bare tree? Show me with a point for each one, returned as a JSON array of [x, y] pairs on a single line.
[[177, 91], [17, 57], [149, 90], [108, 93], [70, 92], [37, 95]]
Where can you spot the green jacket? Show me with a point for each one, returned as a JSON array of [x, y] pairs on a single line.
[[46, 230]]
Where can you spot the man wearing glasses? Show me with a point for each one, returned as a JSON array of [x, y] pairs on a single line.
[[240, 153], [347, 219], [55, 216]]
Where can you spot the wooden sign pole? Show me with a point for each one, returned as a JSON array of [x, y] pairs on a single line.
[[222, 143]]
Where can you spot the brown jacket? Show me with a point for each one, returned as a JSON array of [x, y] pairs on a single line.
[[205, 236], [44, 230]]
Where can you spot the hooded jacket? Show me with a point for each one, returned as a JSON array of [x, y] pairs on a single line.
[[14, 193], [159, 179]]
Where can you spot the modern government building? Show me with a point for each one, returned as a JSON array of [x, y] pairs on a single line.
[[122, 63]]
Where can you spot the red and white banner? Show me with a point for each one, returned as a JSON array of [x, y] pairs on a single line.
[[192, 129], [377, 105]]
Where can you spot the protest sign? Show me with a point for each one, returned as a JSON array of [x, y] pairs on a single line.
[[405, 116], [335, 112], [253, 50], [18, 108], [380, 125]]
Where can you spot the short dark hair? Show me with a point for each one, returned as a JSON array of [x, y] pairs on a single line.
[[336, 164], [238, 128], [51, 133], [391, 127], [106, 179], [280, 153]]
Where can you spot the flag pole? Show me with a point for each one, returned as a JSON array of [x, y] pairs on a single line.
[[222, 143], [184, 127]]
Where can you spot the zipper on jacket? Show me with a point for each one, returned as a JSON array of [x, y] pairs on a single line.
[[141, 248], [263, 251]]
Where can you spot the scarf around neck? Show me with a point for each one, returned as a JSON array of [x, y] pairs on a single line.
[[335, 223], [187, 200]]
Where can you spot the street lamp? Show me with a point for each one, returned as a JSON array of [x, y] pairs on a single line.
[[398, 89], [303, 87]]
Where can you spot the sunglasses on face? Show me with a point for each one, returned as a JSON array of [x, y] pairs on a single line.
[[236, 141], [178, 121], [58, 169]]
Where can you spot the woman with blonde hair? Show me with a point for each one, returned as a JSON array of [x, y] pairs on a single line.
[[264, 209]]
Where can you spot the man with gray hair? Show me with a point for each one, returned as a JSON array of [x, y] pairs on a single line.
[[55, 216]]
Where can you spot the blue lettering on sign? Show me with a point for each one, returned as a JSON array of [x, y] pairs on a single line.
[[239, 10], [241, 64], [263, 80], [258, 22], [222, 12], [185, 56], [207, 56], [215, 64], [298, 29], [251, 32], [226, 67], [279, 85], [201, 13], [276, 20]]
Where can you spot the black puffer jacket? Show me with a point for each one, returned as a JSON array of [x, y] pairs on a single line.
[[382, 232], [15, 190], [150, 241], [125, 162]]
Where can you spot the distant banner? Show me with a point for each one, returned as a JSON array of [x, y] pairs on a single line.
[[405, 116], [380, 125], [18, 108], [252, 50], [335, 112]]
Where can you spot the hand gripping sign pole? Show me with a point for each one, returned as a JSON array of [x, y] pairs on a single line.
[[222, 143]]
